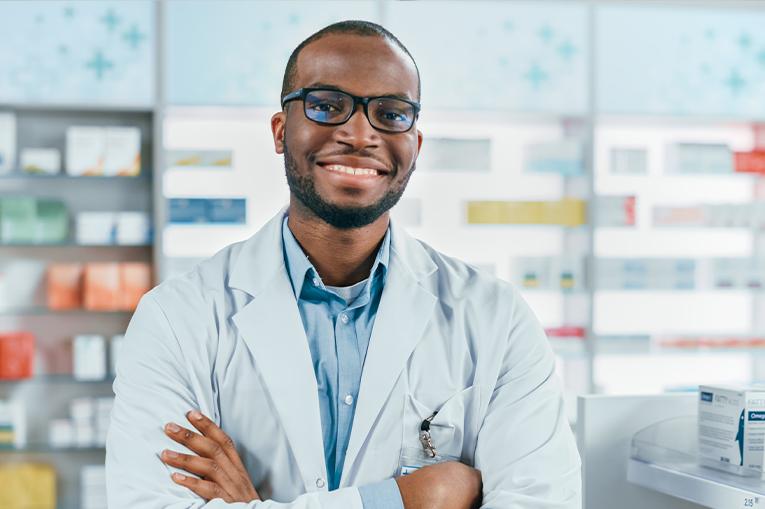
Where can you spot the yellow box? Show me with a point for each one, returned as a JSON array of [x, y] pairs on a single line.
[[27, 486], [565, 212]]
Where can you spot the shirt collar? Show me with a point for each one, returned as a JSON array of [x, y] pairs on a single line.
[[300, 268]]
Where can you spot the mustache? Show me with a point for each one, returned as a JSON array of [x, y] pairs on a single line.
[[351, 152]]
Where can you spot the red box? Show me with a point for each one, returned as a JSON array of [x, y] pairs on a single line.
[[102, 286], [135, 281], [64, 286], [750, 162], [17, 355]]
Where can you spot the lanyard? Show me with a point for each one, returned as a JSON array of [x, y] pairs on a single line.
[[425, 439]]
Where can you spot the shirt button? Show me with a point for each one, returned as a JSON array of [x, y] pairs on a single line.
[[348, 400], [320, 483], [344, 318], [316, 281]]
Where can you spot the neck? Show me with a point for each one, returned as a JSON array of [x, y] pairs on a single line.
[[342, 257]]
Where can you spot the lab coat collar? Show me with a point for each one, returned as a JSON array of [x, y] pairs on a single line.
[[273, 330]]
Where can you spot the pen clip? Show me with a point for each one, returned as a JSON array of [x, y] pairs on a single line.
[[425, 438]]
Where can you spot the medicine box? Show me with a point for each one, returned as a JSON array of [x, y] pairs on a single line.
[[732, 428]]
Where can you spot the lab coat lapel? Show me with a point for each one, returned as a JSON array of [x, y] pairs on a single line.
[[405, 309], [273, 331]]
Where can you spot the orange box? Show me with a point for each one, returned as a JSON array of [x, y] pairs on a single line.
[[64, 286], [17, 355], [135, 281], [102, 286]]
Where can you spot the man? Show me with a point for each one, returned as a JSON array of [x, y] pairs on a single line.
[[331, 360]]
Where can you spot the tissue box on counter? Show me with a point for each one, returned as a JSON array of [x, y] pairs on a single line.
[[732, 428]]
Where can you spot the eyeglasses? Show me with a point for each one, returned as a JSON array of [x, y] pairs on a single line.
[[328, 106]]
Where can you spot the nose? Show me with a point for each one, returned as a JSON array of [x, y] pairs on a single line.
[[357, 131]]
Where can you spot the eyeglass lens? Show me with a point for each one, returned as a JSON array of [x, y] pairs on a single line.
[[335, 107]]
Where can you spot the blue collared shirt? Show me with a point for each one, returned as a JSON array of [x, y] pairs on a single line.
[[338, 324]]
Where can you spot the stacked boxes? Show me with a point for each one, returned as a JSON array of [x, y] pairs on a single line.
[[109, 151], [12, 425], [102, 286], [33, 221], [87, 425], [93, 487], [108, 228]]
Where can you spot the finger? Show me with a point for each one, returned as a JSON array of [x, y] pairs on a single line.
[[237, 481], [201, 445], [211, 430], [206, 489], [202, 467]]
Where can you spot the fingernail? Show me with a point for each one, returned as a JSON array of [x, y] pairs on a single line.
[[195, 415], [172, 427], [171, 454], [179, 477]]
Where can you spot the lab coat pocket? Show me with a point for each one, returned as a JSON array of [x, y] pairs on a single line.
[[453, 430]]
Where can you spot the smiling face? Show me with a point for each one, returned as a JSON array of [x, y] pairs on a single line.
[[328, 168]]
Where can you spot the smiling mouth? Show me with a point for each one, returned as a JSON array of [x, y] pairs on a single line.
[[350, 170]]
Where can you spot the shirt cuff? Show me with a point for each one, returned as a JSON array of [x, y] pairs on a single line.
[[381, 495]]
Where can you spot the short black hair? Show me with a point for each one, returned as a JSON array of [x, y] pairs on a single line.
[[354, 27]]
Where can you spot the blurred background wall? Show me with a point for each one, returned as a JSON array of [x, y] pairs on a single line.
[[606, 157]]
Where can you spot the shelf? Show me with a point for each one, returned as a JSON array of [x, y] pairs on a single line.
[[75, 107], [47, 311], [701, 485], [144, 176], [74, 245], [56, 378], [48, 449]]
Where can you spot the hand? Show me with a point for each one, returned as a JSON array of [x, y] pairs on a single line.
[[448, 485], [221, 470]]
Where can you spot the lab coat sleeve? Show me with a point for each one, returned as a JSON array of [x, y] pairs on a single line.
[[153, 388], [526, 451]]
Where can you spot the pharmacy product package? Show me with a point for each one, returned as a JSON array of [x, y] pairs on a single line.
[[732, 428]]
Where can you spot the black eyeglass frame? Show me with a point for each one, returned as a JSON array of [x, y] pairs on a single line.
[[301, 94]]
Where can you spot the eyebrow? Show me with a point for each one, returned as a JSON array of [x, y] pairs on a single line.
[[318, 84]]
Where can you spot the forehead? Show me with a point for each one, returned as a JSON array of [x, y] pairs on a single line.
[[361, 65]]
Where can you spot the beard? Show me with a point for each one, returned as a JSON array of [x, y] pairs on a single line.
[[344, 218]]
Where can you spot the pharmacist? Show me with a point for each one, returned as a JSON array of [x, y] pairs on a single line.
[[332, 360]]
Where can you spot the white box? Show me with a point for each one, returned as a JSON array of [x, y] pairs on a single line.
[[89, 357], [84, 435], [45, 161], [118, 342], [732, 428], [133, 228], [7, 142], [81, 410], [13, 415], [95, 228], [61, 433], [85, 150], [123, 151]]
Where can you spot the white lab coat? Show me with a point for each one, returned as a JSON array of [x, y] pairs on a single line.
[[227, 339]]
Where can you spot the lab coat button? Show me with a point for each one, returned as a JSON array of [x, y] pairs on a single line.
[[344, 318], [348, 400], [320, 483], [316, 281]]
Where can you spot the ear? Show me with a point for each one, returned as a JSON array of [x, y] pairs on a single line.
[[278, 122], [419, 141]]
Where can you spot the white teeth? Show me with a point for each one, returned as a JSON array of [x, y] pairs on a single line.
[[350, 170]]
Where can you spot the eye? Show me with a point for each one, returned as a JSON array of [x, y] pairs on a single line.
[[324, 107], [395, 116]]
